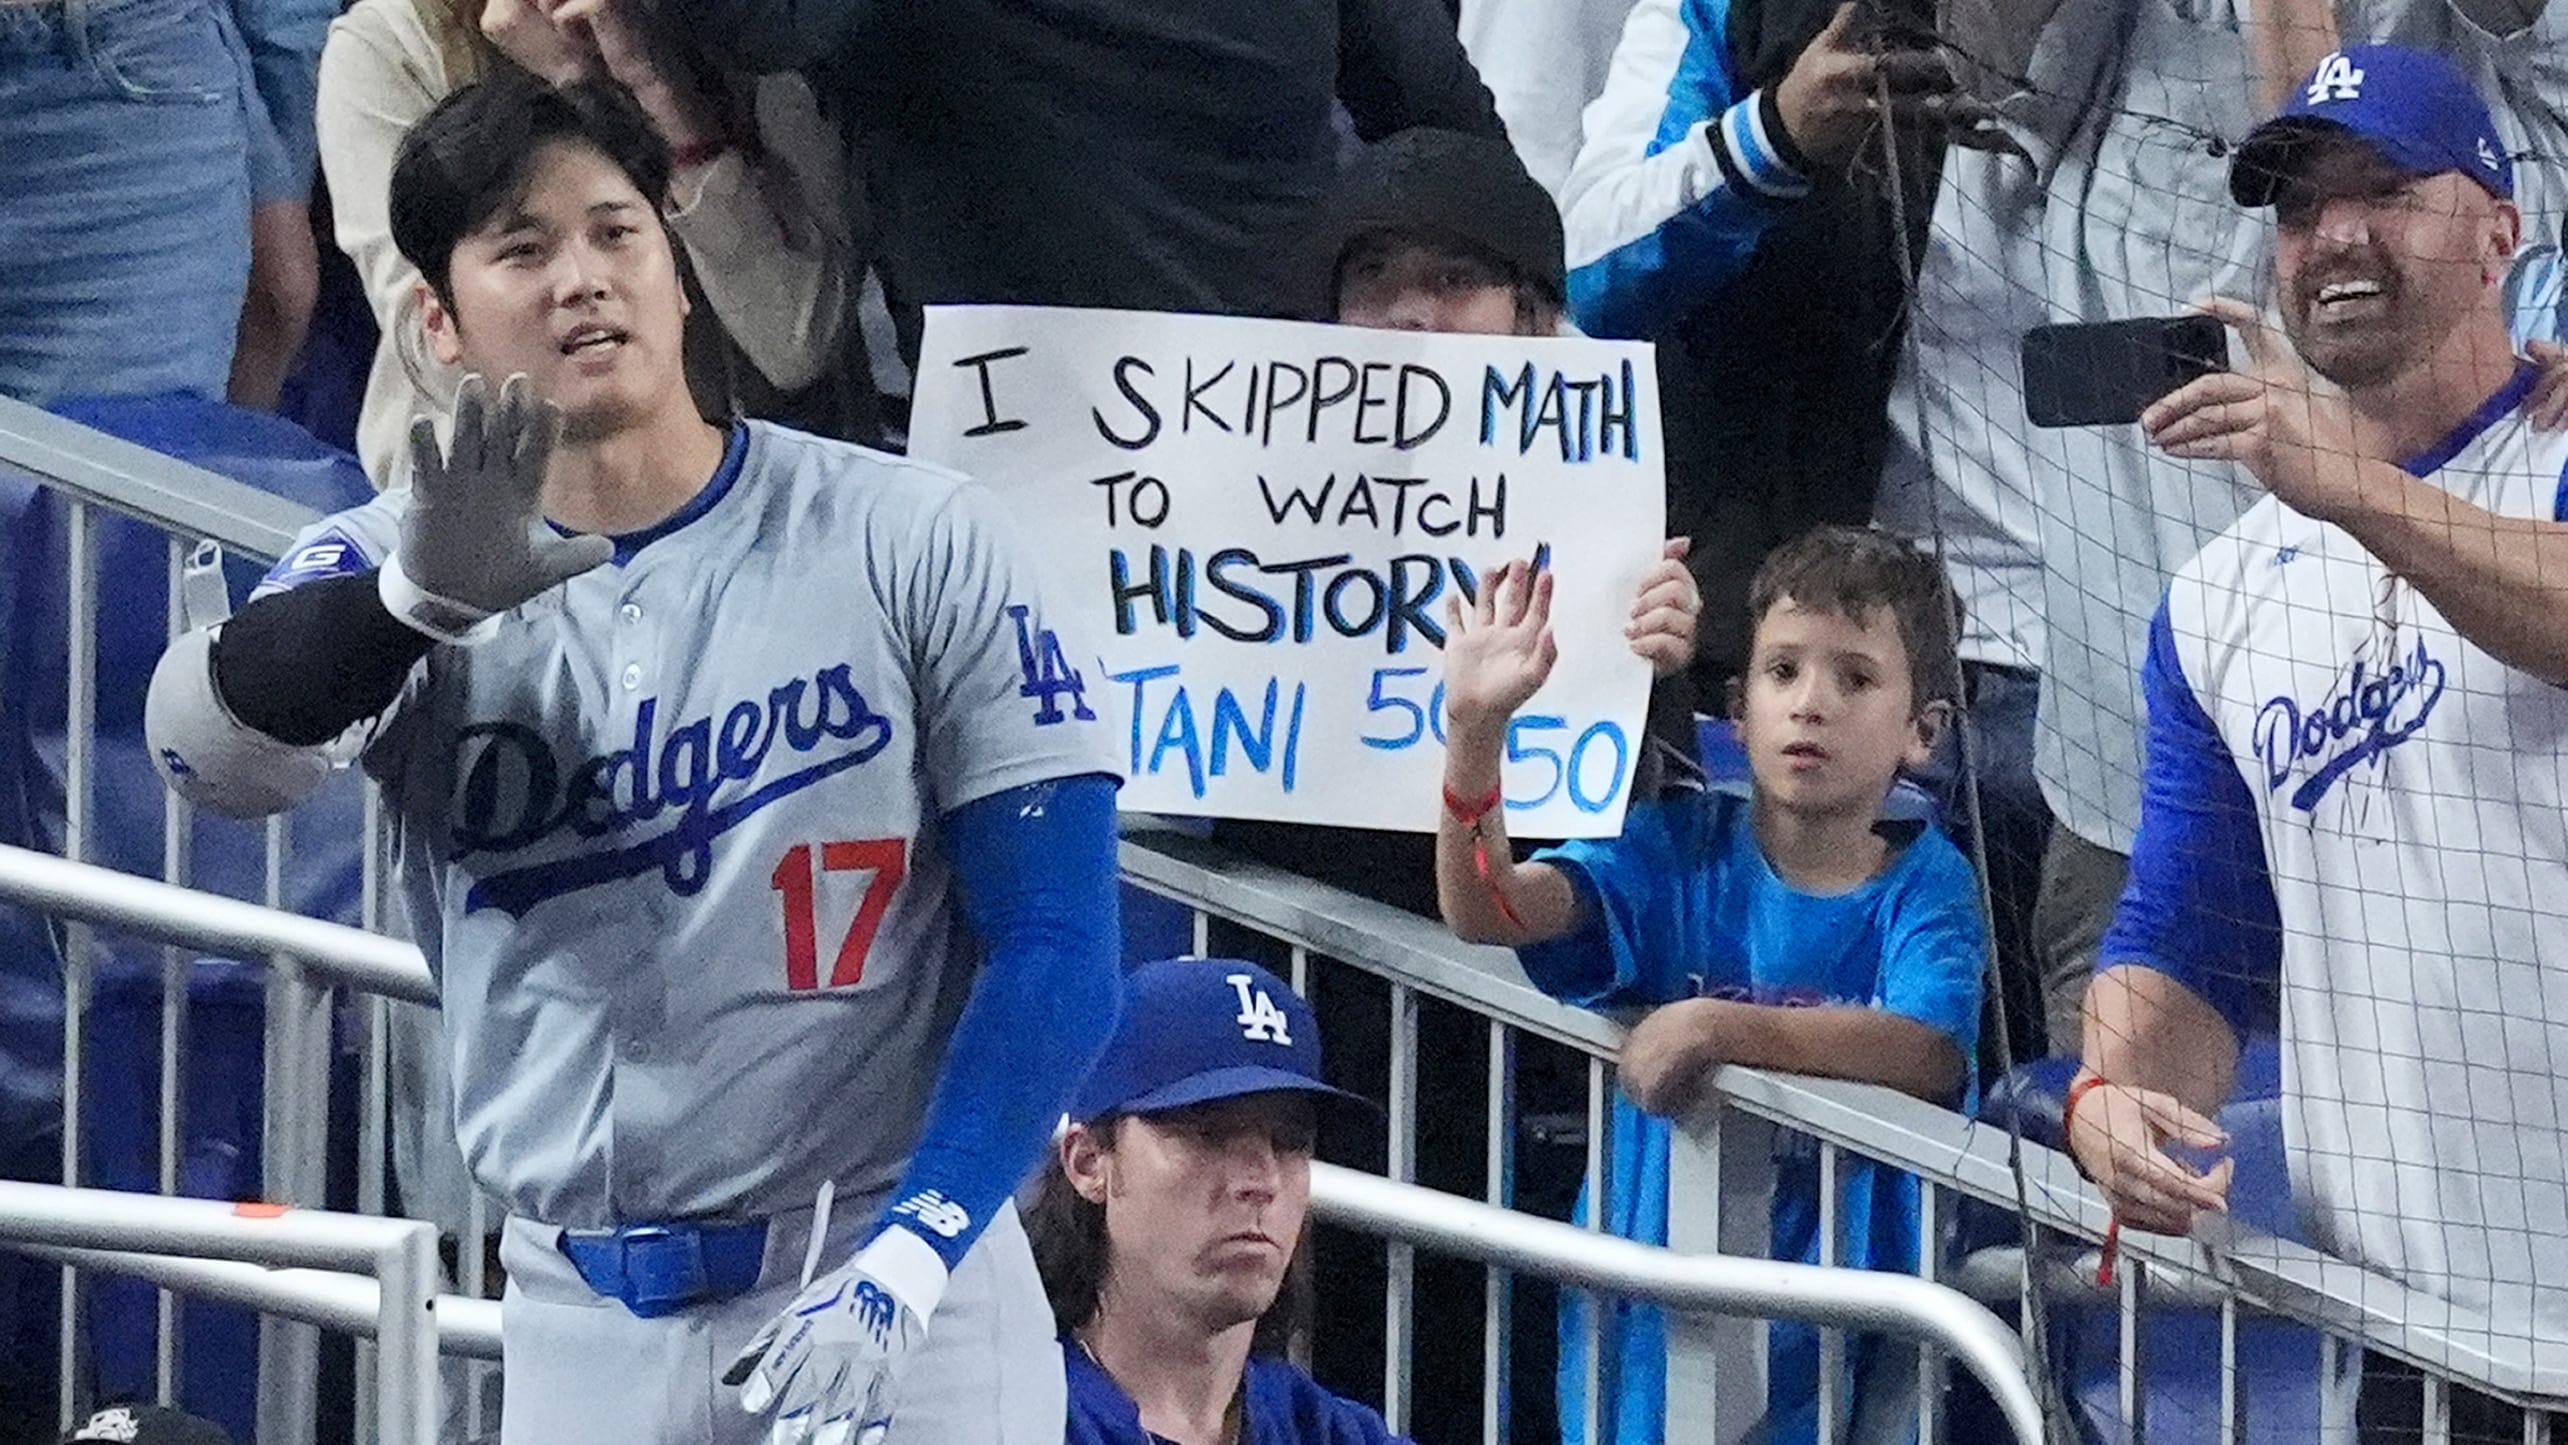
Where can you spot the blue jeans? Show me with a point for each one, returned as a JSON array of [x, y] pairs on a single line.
[[124, 198]]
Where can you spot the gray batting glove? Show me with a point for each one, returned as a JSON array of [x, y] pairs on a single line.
[[473, 542]]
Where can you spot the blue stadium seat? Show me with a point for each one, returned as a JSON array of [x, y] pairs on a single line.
[[2279, 1362], [1725, 765], [218, 1159], [225, 1013]]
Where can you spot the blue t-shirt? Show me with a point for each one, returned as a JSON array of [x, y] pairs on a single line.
[[1284, 1407], [1684, 905]]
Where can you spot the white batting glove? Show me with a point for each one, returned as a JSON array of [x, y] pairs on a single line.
[[826, 1366]]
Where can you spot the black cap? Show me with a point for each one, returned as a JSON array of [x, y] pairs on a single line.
[[147, 1425], [1448, 186]]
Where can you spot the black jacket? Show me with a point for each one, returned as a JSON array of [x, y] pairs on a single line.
[[1151, 154], [1775, 392]]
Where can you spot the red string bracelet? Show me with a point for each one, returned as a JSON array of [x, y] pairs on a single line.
[[1469, 814], [2078, 1090]]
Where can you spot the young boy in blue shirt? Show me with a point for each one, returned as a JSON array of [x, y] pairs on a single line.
[[1789, 927]]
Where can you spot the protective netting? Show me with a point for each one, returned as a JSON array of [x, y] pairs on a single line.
[[2312, 773]]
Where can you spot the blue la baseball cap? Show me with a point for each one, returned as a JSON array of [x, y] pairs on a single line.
[[1199, 1029], [2412, 106]]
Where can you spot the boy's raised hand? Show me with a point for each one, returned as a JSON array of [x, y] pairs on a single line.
[[1499, 650]]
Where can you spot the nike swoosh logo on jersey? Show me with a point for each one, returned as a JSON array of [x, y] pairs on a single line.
[[513, 792], [2364, 717]]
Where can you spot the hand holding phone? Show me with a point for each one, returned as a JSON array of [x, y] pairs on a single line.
[[2107, 373]]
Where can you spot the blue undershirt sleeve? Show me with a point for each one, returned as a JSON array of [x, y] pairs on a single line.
[[2200, 903], [1035, 868]]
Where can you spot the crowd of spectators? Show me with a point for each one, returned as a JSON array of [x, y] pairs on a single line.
[[1835, 221]]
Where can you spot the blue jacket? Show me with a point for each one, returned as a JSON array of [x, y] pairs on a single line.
[[1774, 288], [1683, 169], [1285, 1407]]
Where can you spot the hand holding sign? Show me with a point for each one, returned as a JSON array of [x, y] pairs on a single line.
[[1662, 626]]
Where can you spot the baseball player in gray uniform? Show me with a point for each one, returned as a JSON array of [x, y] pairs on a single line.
[[747, 806]]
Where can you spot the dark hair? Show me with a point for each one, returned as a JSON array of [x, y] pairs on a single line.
[[1461, 190], [470, 157], [1068, 1232], [1853, 570]]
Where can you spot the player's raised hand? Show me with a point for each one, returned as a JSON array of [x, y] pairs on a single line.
[[473, 541], [1663, 614], [2293, 432], [1499, 650], [2121, 1136], [825, 1367]]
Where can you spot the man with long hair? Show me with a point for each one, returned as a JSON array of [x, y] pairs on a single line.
[[1168, 1224]]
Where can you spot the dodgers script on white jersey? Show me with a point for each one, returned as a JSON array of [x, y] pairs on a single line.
[[670, 839], [2412, 796]]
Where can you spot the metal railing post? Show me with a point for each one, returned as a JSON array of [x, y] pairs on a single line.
[[79, 801], [407, 1403], [1716, 1365], [400, 1253], [1497, 1297], [1400, 1266]]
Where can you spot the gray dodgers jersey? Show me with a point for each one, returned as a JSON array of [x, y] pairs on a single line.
[[670, 839]]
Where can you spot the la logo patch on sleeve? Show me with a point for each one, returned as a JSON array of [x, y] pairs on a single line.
[[1048, 673]]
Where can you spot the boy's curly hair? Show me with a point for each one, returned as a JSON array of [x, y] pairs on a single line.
[[1853, 570]]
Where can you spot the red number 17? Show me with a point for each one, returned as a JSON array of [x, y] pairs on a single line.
[[886, 858]]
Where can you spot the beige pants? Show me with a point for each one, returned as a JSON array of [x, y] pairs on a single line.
[[580, 1368]]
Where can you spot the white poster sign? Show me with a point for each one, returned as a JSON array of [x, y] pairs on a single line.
[[1252, 529]]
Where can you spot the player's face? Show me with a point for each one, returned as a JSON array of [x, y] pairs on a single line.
[[1397, 284], [1825, 711], [2376, 267], [575, 285], [1204, 1207]]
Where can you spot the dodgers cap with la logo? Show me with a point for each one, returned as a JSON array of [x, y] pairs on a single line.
[[2413, 107], [1196, 1030]]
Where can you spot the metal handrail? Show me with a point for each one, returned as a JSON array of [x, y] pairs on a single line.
[[147, 485], [401, 1254], [349, 1304], [1373, 936], [1690, 1283], [1405, 1212], [1367, 1203], [190, 918]]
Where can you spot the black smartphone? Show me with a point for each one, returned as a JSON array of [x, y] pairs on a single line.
[[2106, 373]]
